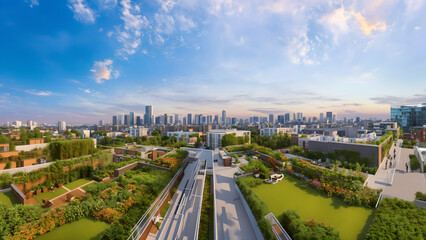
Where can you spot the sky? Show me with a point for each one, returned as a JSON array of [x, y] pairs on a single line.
[[82, 61]]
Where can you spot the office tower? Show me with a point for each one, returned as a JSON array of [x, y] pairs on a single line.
[[132, 118], [299, 116], [176, 119], [149, 112], [255, 119], [409, 116], [216, 119], [263, 119], [120, 119], [294, 118], [224, 117], [251, 120], [114, 120], [280, 119], [203, 120], [17, 123], [321, 117], [334, 118], [287, 117], [170, 119], [344, 120], [329, 116], [62, 126], [138, 121], [357, 120], [209, 119], [234, 120], [271, 118], [7, 124], [166, 119], [126, 119], [29, 123], [189, 119], [100, 123], [184, 121], [314, 119]]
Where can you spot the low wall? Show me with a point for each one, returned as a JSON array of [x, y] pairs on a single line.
[[27, 148], [3, 165], [21, 197], [28, 162], [8, 154], [419, 203], [250, 215], [122, 170]]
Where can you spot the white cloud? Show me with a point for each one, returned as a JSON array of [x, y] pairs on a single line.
[[336, 22], [82, 12], [107, 4], [167, 5], [186, 24], [417, 28], [75, 81], [38, 93], [33, 3], [103, 70], [109, 34], [130, 35]]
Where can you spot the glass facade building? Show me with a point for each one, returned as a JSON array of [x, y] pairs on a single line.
[[409, 116]]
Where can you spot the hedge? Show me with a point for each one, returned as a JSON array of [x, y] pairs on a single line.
[[257, 206], [414, 163], [60, 150]]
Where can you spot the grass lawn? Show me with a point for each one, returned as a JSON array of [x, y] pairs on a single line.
[[77, 183], [49, 195], [165, 209], [85, 187], [83, 229], [352, 222], [9, 199]]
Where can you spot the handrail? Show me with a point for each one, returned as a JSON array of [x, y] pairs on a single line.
[[197, 226], [141, 225]]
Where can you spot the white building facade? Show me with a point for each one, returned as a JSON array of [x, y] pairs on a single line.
[[214, 137]]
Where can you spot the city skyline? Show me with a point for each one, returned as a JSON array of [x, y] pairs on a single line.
[[82, 61]]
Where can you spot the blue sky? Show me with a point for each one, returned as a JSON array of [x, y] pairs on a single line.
[[82, 61]]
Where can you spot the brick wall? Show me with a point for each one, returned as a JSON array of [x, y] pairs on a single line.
[[28, 162], [8, 154], [36, 141], [3, 165]]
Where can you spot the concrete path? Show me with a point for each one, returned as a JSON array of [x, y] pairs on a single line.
[[232, 219], [406, 184], [395, 181]]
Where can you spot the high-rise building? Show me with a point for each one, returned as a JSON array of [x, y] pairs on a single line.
[[271, 118], [189, 119], [132, 118], [329, 116], [127, 119], [216, 119], [170, 119], [149, 112], [321, 117], [255, 119], [139, 121], [62, 126], [234, 120], [114, 120], [287, 117], [184, 121], [409, 116], [120, 119], [100, 123], [29, 123], [17, 124], [281, 119], [294, 118], [224, 117], [299, 116], [176, 119], [166, 119]]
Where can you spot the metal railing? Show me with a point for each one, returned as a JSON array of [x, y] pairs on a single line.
[[143, 222]]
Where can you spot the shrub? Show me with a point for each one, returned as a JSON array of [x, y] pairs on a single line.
[[414, 163], [421, 196], [301, 230], [398, 219]]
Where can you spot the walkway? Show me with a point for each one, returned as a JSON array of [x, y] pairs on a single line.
[[232, 220], [396, 181]]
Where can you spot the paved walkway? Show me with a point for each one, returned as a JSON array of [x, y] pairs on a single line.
[[396, 181], [232, 219]]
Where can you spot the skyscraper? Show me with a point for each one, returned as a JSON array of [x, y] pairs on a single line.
[[271, 118], [62, 126], [127, 119], [148, 115], [321, 117], [287, 117], [299, 116], [281, 119], [100, 123], [132, 118], [176, 119], [329, 116], [216, 119], [120, 119], [224, 117], [189, 119], [114, 120], [166, 119]]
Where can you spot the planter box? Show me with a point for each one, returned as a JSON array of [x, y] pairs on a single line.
[[44, 190], [29, 194], [59, 185], [38, 192]]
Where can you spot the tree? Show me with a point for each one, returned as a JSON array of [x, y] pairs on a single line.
[[229, 139], [3, 139], [128, 139]]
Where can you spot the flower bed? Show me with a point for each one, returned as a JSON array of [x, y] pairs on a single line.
[[350, 193]]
